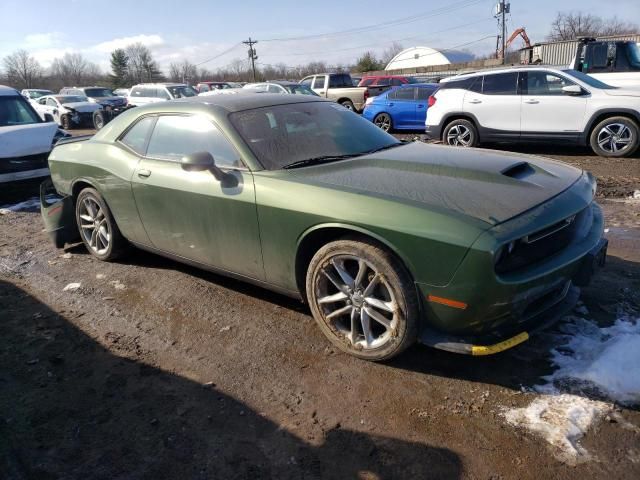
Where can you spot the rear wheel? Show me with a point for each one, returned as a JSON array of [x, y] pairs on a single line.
[[348, 104], [65, 121], [363, 299], [98, 230], [615, 137], [460, 133], [383, 121], [99, 119]]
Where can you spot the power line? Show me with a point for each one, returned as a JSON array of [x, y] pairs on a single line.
[[374, 44], [387, 24], [220, 54]]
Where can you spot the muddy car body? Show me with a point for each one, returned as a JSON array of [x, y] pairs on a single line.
[[389, 242]]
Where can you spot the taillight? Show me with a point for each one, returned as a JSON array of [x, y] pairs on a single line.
[[366, 94], [432, 101]]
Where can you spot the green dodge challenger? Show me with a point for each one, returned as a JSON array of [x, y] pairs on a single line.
[[389, 242]]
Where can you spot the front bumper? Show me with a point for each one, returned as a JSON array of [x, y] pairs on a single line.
[[493, 312]]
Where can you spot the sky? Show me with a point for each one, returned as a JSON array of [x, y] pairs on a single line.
[[291, 32]]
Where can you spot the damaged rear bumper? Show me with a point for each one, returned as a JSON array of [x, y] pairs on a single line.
[[58, 216]]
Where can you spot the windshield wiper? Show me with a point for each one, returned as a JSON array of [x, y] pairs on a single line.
[[379, 149], [318, 160]]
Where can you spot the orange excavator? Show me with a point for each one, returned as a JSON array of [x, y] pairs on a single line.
[[522, 33]]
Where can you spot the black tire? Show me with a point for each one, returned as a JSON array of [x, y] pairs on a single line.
[[99, 119], [460, 133], [117, 244], [383, 121], [393, 286], [615, 137], [348, 104], [65, 122]]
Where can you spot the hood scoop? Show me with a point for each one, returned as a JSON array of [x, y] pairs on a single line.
[[518, 170]]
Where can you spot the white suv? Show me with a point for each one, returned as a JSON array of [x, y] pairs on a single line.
[[535, 104], [145, 93]]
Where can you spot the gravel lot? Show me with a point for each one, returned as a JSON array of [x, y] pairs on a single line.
[[151, 369]]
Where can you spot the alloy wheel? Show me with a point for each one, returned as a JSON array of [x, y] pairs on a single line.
[[615, 137], [356, 302], [94, 226], [459, 136], [383, 121]]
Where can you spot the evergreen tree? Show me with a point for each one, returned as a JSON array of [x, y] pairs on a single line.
[[120, 68]]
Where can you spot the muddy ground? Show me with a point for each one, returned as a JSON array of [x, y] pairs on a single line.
[[151, 369]]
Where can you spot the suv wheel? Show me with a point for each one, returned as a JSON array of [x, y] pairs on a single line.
[[460, 133], [615, 137], [363, 299]]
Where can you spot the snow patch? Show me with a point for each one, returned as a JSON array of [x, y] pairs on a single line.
[[595, 367], [30, 205], [71, 287]]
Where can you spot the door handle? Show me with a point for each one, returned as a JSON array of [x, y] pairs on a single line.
[[144, 173], [390, 104], [420, 106], [475, 100], [531, 101]]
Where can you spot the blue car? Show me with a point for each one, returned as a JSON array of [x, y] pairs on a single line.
[[401, 108]]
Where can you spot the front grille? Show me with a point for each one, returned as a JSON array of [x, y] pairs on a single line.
[[23, 164], [544, 243]]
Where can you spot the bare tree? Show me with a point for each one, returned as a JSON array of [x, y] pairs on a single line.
[[73, 69], [22, 70], [184, 71], [142, 66], [390, 52], [573, 25]]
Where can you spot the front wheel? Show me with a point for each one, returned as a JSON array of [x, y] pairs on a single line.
[[383, 121], [65, 121], [460, 133], [99, 120], [615, 137], [98, 230], [363, 299]]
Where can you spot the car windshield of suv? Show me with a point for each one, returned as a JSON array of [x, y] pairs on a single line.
[[182, 92], [300, 90], [71, 99], [15, 110], [281, 135], [98, 92], [588, 79], [33, 94]]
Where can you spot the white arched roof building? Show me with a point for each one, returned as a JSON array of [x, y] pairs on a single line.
[[415, 57]]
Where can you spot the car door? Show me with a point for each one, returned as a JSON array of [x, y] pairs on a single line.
[[493, 100], [189, 213], [42, 108], [402, 107], [546, 109], [320, 85], [53, 108]]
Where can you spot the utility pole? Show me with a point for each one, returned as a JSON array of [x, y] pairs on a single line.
[[502, 8], [252, 55]]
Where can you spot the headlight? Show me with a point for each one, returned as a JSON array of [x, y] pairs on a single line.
[[505, 251]]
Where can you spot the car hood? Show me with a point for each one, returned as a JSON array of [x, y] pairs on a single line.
[[623, 92], [109, 100], [82, 107], [487, 185], [23, 140]]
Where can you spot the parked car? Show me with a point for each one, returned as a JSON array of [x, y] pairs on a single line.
[[388, 242], [401, 108], [535, 104], [355, 80], [280, 86], [145, 93], [208, 86], [385, 80], [121, 92], [339, 88], [32, 94], [68, 111], [25, 138], [112, 105]]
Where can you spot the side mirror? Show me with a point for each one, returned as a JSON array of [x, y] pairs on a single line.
[[572, 90], [200, 161], [48, 117]]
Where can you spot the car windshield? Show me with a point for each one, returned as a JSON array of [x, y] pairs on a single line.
[[634, 54], [589, 80], [15, 110], [281, 135], [300, 90], [98, 92], [38, 93], [71, 99], [182, 92]]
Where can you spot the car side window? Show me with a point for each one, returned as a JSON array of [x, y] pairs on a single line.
[[501, 84], [136, 92], [274, 89], [162, 93], [545, 83], [383, 82], [136, 137], [175, 136], [306, 81], [319, 81], [367, 82], [423, 93], [203, 88], [51, 102], [43, 101], [405, 94]]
